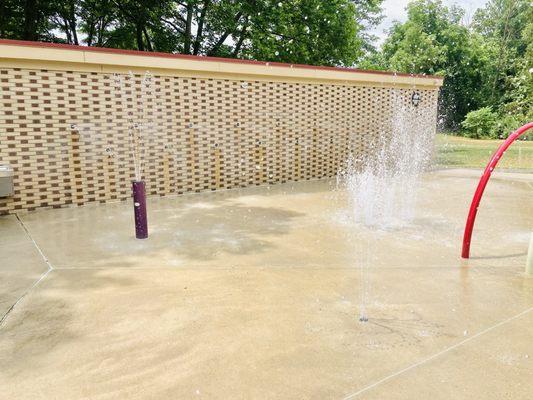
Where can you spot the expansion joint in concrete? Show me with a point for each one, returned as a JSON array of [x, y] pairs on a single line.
[[436, 355], [37, 282], [45, 259]]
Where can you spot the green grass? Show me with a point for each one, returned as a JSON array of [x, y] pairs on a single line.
[[460, 152]]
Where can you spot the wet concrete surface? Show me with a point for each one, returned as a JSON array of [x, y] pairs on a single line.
[[254, 294]]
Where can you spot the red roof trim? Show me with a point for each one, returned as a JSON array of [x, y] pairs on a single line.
[[201, 58]]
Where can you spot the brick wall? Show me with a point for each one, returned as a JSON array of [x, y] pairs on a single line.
[[66, 133]]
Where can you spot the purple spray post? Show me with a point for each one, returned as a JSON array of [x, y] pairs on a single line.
[[139, 209], [140, 127]]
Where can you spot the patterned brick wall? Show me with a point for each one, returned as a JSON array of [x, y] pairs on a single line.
[[65, 133]]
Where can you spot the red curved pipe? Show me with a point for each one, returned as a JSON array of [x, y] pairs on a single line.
[[483, 182]]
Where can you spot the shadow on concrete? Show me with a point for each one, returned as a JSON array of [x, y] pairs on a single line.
[[230, 228], [43, 321], [201, 229], [503, 256]]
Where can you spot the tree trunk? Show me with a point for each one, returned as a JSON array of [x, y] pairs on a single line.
[[214, 50], [90, 33], [242, 37], [100, 34], [148, 42], [3, 18], [67, 31], [31, 20], [188, 28], [199, 33], [72, 22], [139, 36]]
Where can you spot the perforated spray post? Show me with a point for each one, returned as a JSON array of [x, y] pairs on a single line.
[[139, 209], [139, 123]]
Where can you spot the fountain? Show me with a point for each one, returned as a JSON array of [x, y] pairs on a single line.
[[381, 183], [139, 129]]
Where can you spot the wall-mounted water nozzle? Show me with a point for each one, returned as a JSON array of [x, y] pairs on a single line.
[[6, 181], [416, 98]]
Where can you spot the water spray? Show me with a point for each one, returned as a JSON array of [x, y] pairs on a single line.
[[381, 181], [138, 117]]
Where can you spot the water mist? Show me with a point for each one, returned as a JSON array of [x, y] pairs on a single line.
[[382, 183]]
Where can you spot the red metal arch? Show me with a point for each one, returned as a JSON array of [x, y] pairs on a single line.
[[483, 183]]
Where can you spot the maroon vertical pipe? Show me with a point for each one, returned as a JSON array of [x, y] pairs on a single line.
[[139, 208]]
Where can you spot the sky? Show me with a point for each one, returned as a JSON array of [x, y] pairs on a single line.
[[395, 10]]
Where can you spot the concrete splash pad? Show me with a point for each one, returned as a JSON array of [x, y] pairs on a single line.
[[254, 294]]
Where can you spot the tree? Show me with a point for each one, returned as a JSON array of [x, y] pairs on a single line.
[[10, 16], [303, 31], [507, 34], [517, 107], [95, 20], [502, 23], [297, 31], [433, 41], [64, 18], [310, 31], [26, 19]]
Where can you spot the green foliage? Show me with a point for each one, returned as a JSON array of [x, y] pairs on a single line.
[[507, 29], [506, 124], [296, 31], [432, 41], [518, 99], [485, 123], [487, 65], [484, 65], [28, 19], [480, 123], [308, 31], [502, 24]]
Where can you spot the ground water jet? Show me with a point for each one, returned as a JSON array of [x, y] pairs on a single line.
[[381, 181], [139, 126]]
